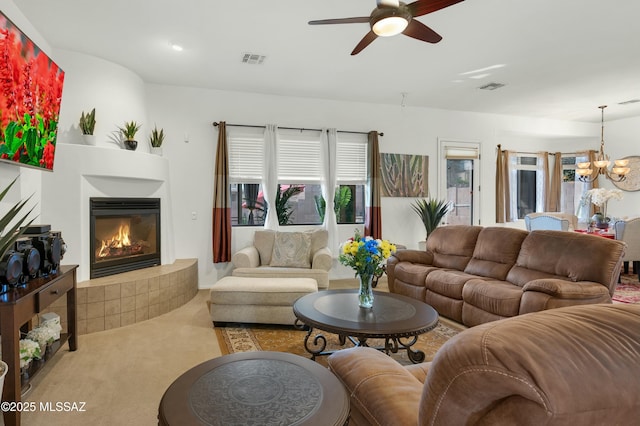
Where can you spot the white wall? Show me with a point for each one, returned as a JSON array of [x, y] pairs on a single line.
[[191, 111], [187, 114]]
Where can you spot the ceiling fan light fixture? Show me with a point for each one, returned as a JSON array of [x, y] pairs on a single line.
[[390, 26]]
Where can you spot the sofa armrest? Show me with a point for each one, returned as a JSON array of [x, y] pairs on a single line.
[[322, 259], [562, 289], [248, 257], [382, 391], [413, 256]]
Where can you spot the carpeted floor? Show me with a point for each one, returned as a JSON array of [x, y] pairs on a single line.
[[245, 338], [121, 374], [628, 291]]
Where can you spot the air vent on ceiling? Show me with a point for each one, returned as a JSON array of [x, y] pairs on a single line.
[[252, 58], [631, 101], [491, 86]]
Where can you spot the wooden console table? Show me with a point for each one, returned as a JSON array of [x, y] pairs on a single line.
[[17, 307]]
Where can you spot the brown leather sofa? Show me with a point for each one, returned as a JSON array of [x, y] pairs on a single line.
[[474, 274], [577, 365]]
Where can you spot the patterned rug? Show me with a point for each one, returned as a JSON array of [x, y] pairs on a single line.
[[628, 291], [257, 337]]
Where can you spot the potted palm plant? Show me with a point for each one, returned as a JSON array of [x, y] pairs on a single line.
[[129, 132], [431, 212], [155, 139], [87, 126]]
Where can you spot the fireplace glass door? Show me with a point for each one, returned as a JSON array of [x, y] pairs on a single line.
[[125, 235]]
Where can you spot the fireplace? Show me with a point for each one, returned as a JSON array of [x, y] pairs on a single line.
[[125, 235]]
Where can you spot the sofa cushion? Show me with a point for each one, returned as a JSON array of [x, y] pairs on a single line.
[[448, 282], [263, 242], [570, 255], [497, 297], [291, 250], [452, 246], [496, 251], [413, 273]]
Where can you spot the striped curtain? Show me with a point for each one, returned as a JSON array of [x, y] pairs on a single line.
[[373, 213], [222, 201], [554, 196]]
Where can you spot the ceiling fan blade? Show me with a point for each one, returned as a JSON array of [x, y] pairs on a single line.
[[359, 20], [420, 31], [366, 40], [422, 7]]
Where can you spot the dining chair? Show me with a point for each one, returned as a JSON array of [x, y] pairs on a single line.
[[539, 221], [629, 232]]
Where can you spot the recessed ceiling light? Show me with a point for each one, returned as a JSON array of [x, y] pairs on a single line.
[[177, 47]]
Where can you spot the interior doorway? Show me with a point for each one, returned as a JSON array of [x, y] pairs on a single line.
[[459, 165]]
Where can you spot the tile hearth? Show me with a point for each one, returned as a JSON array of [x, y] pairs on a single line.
[[123, 299]]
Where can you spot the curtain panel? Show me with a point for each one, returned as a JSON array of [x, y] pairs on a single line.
[[270, 176], [554, 196], [373, 213], [221, 201], [503, 198]]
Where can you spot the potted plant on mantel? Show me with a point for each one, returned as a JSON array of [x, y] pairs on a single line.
[[129, 132], [431, 212], [87, 125], [155, 139]]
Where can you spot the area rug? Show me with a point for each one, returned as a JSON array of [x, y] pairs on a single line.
[[257, 337], [628, 290]]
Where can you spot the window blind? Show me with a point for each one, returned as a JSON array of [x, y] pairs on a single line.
[[299, 161], [246, 159], [351, 162]]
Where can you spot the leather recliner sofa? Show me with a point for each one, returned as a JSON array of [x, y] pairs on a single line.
[[474, 274], [577, 365]]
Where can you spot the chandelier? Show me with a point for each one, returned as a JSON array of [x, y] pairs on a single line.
[[617, 173]]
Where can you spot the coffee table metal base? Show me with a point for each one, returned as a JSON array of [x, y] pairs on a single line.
[[397, 320], [316, 345]]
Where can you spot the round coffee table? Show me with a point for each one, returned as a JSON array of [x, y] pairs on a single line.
[[397, 319], [265, 388]]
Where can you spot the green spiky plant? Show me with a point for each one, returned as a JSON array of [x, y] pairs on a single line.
[[88, 122], [8, 238], [431, 212], [340, 201], [130, 129], [157, 137]]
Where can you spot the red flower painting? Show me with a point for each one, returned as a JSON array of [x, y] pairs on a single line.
[[30, 94]]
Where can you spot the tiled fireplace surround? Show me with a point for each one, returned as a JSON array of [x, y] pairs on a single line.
[[130, 297]]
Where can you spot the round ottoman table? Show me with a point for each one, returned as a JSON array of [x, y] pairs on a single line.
[[266, 388]]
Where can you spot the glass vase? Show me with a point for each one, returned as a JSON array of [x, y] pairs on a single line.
[[365, 291]]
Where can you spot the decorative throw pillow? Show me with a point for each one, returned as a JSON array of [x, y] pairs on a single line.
[[291, 249]]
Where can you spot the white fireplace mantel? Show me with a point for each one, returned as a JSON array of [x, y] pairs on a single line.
[[81, 172]]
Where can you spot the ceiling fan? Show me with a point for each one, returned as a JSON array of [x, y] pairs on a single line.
[[392, 17]]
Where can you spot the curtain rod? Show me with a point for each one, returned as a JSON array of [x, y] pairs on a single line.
[[550, 153], [216, 124]]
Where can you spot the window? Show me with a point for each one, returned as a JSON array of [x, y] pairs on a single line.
[[246, 153], [299, 199], [351, 177], [572, 188], [527, 185]]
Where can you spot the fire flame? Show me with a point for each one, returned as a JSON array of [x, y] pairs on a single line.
[[119, 240]]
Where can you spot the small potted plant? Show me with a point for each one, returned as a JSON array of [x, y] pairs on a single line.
[[129, 132], [155, 139], [87, 126]]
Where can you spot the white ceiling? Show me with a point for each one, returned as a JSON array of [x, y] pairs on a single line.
[[561, 58]]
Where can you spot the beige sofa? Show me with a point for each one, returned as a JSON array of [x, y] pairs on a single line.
[[276, 254], [570, 366], [474, 275]]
